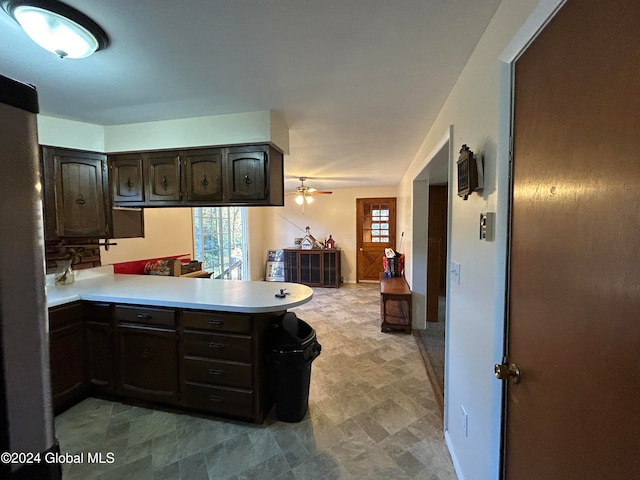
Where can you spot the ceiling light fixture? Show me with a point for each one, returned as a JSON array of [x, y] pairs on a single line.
[[302, 197], [57, 27]]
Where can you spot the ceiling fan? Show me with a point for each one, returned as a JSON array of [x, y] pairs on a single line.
[[304, 194]]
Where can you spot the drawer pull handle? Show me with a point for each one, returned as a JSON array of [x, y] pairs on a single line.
[[144, 316], [216, 345], [216, 398], [216, 322], [213, 371]]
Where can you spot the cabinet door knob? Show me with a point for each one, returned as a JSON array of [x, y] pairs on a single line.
[[204, 182], [146, 353], [79, 200], [165, 183], [247, 180]]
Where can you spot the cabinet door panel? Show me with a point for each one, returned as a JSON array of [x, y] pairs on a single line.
[[204, 175], [248, 172], [67, 354], [99, 355], [310, 271], [147, 363], [99, 341], [126, 179], [79, 197], [331, 269], [164, 178]]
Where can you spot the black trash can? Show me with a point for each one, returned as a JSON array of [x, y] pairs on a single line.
[[294, 347]]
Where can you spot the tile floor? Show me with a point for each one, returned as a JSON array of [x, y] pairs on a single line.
[[371, 415]]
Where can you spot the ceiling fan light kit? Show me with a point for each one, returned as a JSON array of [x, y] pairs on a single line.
[[304, 193], [57, 27]]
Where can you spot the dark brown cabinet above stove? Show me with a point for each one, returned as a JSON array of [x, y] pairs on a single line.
[[243, 175]]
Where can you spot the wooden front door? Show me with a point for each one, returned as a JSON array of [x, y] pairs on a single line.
[[376, 230], [574, 321]]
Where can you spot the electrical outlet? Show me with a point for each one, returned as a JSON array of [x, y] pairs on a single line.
[[464, 417]]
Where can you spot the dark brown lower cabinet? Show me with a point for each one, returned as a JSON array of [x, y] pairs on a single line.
[[99, 337], [223, 363], [67, 355], [147, 363], [212, 362]]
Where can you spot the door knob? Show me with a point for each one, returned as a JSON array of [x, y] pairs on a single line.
[[504, 372]]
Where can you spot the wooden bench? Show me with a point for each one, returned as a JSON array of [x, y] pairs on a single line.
[[395, 304]]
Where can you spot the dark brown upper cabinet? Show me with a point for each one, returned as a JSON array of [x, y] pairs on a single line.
[[74, 186], [242, 175], [203, 170], [248, 169], [127, 183], [76, 197], [163, 180]]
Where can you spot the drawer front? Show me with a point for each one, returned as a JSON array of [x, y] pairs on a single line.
[[223, 347], [146, 316], [221, 322], [227, 401], [213, 372], [65, 314], [98, 312]]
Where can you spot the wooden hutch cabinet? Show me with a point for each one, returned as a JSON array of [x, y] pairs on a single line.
[[315, 268]]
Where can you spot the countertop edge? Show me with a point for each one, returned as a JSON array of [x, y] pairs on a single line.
[[109, 290]]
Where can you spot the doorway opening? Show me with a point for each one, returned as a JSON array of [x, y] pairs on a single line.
[[431, 243]]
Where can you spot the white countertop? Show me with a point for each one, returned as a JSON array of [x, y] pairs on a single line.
[[196, 293]]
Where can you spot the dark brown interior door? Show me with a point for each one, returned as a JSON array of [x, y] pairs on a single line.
[[437, 249], [376, 230], [574, 328]]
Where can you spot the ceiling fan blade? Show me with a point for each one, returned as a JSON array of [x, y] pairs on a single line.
[[319, 192]]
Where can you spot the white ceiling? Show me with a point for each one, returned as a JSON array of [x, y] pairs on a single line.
[[359, 82]]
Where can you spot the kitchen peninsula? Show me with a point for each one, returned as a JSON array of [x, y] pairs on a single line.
[[194, 344]]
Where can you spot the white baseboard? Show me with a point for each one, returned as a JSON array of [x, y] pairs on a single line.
[[454, 459]]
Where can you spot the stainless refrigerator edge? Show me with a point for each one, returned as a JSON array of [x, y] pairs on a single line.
[[25, 405]]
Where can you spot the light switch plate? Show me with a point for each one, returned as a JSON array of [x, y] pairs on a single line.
[[455, 272], [487, 226]]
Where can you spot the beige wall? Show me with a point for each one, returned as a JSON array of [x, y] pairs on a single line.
[[328, 215], [168, 232]]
